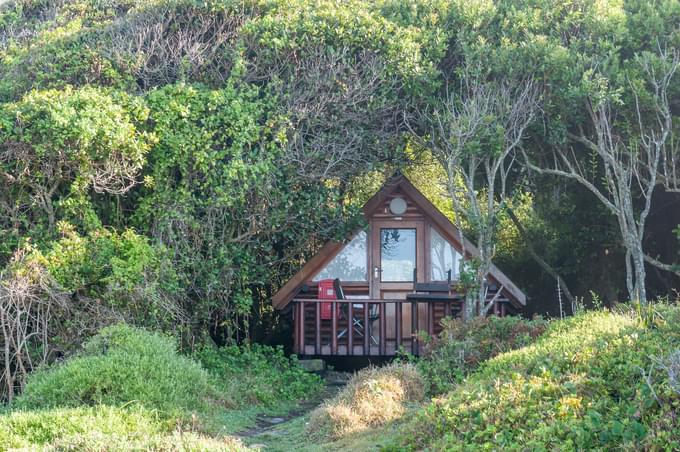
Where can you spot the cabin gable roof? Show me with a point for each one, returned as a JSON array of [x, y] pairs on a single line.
[[444, 226]]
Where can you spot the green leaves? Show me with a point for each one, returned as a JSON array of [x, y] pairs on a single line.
[[59, 148]]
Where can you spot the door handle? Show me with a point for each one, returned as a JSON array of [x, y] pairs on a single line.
[[376, 272]]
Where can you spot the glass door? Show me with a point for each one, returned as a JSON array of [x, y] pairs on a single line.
[[398, 250]]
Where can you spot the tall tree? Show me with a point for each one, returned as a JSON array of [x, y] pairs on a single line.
[[631, 155], [475, 132]]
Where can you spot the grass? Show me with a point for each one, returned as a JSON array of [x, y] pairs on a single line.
[[600, 380], [121, 365], [102, 428]]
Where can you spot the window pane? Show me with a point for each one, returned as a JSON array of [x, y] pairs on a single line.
[[444, 258], [350, 264], [397, 254]]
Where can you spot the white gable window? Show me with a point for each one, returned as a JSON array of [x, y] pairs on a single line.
[[444, 257], [350, 264]]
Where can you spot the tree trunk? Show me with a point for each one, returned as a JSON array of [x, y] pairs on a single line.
[[638, 260]]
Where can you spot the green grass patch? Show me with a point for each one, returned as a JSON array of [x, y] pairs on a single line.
[[258, 375], [102, 428], [579, 386], [462, 346], [123, 365]]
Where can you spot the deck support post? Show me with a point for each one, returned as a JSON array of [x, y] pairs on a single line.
[[397, 312], [367, 331], [414, 328], [296, 329], [303, 350]]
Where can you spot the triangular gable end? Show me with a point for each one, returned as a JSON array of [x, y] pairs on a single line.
[[438, 220]]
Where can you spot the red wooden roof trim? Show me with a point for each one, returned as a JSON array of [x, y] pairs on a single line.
[[375, 201]]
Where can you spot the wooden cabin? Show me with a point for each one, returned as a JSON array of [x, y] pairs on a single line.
[[387, 283]]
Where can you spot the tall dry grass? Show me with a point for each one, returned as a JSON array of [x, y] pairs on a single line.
[[373, 397]]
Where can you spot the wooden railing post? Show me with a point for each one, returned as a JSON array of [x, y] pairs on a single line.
[[414, 327], [367, 331], [334, 328], [350, 328], [430, 318], [301, 306], [383, 328], [296, 329], [397, 314], [317, 326]]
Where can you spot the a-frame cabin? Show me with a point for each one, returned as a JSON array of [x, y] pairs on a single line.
[[387, 283]]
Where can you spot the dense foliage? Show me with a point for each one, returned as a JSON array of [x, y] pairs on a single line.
[[597, 380], [257, 375], [121, 365], [171, 163], [101, 427]]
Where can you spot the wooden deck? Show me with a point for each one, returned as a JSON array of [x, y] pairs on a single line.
[[379, 327]]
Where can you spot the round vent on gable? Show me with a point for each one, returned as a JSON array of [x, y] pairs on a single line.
[[398, 206]]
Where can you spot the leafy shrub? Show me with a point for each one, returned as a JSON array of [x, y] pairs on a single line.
[[461, 347], [125, 274], [373, 397], [101, 428], [579, 386], [258, 375], [122, 365]]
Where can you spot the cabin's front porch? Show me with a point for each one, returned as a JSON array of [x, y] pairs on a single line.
[[389, 284], [379, 327]]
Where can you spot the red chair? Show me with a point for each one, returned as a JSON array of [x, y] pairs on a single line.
[[327, 292]]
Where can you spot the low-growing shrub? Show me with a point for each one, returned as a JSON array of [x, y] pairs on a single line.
[[373, 397], [121, 365], [462, 346], [584, 384], [258, 374]]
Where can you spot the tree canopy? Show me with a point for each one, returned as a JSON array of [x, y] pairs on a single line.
[[222, 142]]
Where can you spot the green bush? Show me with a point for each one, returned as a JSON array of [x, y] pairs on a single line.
[[461, 347], [123, 365], [258, 375], [590, 382]]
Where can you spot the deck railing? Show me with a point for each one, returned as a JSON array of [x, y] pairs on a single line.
[[366, 327]]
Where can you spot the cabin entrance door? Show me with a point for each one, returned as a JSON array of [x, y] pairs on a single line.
[[397, 251]]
